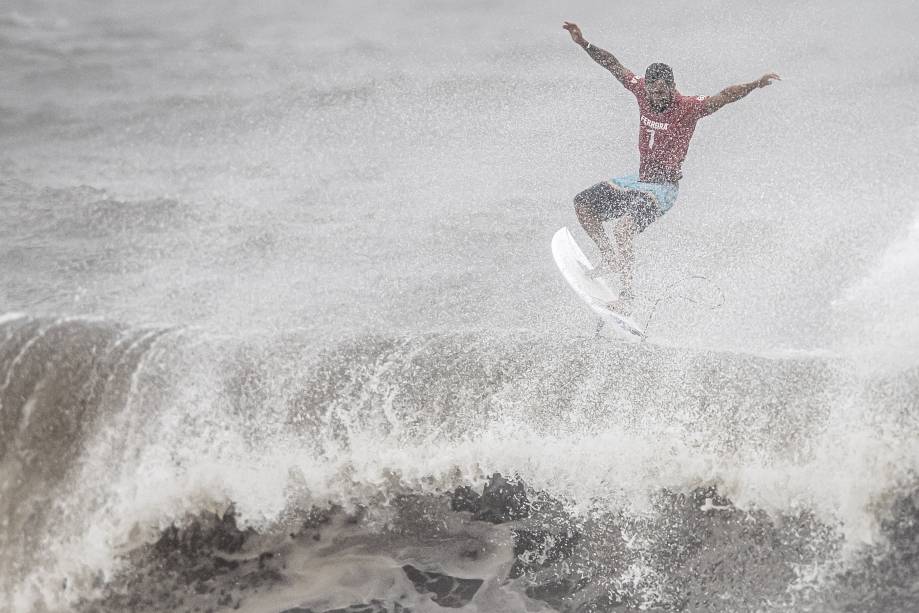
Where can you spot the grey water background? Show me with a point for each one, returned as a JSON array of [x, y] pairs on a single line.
[[400, 165], [207, 203]]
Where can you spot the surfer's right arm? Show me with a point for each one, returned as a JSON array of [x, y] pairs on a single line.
[[600, 56]]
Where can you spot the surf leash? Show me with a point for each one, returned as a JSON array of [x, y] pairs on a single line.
[[669, 295]]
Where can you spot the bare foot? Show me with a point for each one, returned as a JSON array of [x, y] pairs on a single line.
[[608, 267], [620, 306]]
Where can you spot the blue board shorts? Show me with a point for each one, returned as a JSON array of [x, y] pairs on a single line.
[[627, 195]]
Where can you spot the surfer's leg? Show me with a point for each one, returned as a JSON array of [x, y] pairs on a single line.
[[593, 206], [640, 211], [624, 232]]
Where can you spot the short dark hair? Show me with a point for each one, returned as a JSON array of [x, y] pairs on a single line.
[[658, 71]]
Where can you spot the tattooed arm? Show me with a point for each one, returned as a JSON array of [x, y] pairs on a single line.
[[600, 56], [736, 92]]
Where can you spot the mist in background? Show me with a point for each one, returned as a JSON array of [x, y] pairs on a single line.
[[378, 165]]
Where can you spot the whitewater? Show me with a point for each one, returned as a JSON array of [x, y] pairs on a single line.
[[281, 332]]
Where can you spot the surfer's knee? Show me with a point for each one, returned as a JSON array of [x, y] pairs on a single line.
[[582, 206], [587, 204]]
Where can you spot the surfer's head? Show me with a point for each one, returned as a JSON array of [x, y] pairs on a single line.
[[659, 85]]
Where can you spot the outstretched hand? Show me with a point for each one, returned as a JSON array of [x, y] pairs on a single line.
[[575, 32], [767, 79]]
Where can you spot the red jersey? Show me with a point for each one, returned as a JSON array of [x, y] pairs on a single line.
[[663, 138]]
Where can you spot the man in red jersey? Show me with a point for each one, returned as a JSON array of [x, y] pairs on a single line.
[[667, 120]]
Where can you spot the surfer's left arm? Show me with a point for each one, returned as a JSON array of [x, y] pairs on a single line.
[[736, 92]]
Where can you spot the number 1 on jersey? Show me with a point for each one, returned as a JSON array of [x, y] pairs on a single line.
[[650, 139]]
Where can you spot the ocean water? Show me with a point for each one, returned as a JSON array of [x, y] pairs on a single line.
[[280, 330]]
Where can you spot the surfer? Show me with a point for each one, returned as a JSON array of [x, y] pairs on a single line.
[[667, 120]]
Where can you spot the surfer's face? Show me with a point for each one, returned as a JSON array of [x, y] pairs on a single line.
[[660, 94]]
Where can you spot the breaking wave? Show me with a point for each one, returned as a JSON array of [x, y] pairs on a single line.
[[160, 468]]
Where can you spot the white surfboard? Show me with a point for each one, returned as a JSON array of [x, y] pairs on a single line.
[[596, 293]]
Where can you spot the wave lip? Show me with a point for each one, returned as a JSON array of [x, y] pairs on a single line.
[[878, 312]]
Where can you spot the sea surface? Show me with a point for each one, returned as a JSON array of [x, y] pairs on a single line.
[[280, 330]]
